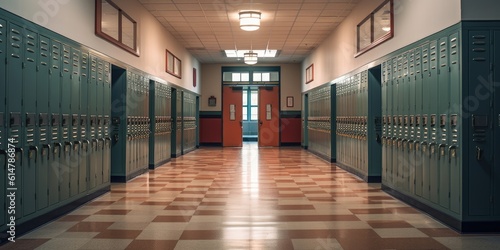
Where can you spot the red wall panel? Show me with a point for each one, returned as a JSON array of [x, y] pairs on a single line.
[[210, 130], [291, 130]]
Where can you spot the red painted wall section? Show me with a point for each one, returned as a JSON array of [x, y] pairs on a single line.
[[291, 130], [211, 130]]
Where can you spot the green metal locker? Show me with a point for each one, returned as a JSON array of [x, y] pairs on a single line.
[[410, 149], [444, 128], [99, 154], [55, 120], [3, 141], [455, 124], [85, 151], [384, 121], [496, 124], [481, 144], [92, 101], [424, 144], [29, 94], [76, 162], [106, 164], [120, 166], [43, 133], [15, 50], [66, 164], [433, 120], [419, 129]]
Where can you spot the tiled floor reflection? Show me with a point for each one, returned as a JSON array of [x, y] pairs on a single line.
[[248, 198]]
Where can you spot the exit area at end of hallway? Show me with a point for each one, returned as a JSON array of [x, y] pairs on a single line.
[[248, 198]]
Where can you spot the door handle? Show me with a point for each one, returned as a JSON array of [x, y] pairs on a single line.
[[241, 124], [47, 146], [22, 154], [57, 145], [260, 122], [453, 147]]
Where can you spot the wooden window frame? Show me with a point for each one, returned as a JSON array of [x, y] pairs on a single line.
[[310, 73], [370, 18], [121, 15], [173, 67]]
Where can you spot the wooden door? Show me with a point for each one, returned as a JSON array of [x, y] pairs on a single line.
[[269, 120], [232, 117]]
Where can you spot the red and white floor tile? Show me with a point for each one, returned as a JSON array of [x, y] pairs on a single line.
[[248, 198]]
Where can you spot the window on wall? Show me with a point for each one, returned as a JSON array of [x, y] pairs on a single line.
[[250, 105], [115, 26], [376, 28], [249, 77]]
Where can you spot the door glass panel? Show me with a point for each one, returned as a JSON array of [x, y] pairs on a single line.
[[254, 113], [255, 98]]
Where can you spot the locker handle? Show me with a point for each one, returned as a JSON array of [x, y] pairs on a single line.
[[86, 142], [47, 146], [479, 153], [439, 147], [22, 154], [450, 148], [430, 145], [70, 144], [34, 148], [76, 143]]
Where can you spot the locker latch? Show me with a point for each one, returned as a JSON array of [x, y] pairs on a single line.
[[479, 153]]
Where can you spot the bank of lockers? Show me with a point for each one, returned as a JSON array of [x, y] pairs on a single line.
[[320, 125], [63, 126], [44, 90], [358, 124], [161, 123]]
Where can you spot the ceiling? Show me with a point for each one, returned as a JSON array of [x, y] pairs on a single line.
[[208, 27]]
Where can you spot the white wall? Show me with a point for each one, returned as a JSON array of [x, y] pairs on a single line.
[[480, 10], [75, 20], [211, 78], [414, 20]]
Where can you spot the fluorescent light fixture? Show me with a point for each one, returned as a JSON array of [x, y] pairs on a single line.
[[249, 20], [260, 53]]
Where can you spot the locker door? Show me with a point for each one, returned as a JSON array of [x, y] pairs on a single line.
[[417, 122], [232, 114], [99, 154], [43, 111], [106, 123], [92, 102], [269, 120], [389, 101], [55, 121], [75, 122], [66, 165], [411, 120], [15, 50], [433, 100], [443, 124], [426, 86], [305, 114], [31, 142], [384, 121], [481, 144], [180, 123], [3, 142], [84, 124], [454, 150], [496, 125]]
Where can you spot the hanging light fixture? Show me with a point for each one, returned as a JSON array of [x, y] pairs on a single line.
[[250, 58], [249, 20]]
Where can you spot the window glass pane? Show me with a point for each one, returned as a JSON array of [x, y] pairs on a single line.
[[364, 34], [257, 77], [170, 62], [275, 76], [128, 34], [245, 77], [245, 114], [255, 98], [236, 77], [227, 77], [245, 98], [109, 21], [254, 113], [382, 21], [266, 77]]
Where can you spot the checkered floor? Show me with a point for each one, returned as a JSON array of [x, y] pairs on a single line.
[[248, 198]]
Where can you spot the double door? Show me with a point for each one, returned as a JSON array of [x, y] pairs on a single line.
[[268, 117]]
